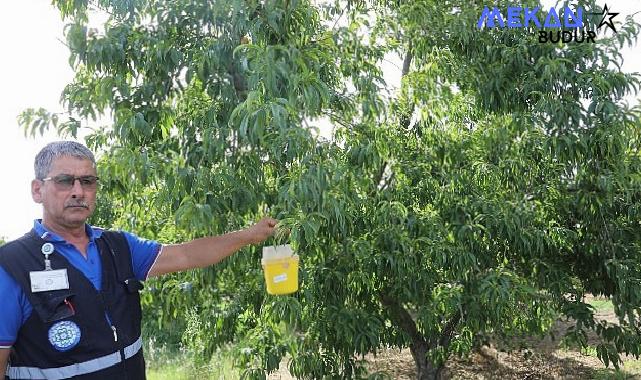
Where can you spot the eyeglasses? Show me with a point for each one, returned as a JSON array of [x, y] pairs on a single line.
[[66, 181]]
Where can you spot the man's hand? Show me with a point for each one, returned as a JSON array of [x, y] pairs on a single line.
[[262, 230]]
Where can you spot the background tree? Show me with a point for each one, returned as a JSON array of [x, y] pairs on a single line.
[[486, 196]]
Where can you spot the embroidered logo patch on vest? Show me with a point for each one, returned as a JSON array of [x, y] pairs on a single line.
[[64, 335]]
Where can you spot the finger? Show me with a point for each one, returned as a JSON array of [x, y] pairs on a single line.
[[271, 222]]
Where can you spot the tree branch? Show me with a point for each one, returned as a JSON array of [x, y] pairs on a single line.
[[408, 60], [449, 329], [403, 319], [407, 118], [379, 178]]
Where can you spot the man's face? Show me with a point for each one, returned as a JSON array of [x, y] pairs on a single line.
[[63, 206]]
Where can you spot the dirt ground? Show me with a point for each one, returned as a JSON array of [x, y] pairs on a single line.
[[544, 360], [488, 363]]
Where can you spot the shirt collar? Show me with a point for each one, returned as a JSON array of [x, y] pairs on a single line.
[[42, 231]]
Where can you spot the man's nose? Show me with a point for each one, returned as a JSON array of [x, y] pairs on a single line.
[[76, 188]]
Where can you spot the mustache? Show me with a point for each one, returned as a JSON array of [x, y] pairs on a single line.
[[78, 204]]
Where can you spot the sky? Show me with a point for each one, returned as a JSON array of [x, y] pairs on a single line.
[[33, 72]]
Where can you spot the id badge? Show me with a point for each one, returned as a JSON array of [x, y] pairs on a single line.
[[46, 280]]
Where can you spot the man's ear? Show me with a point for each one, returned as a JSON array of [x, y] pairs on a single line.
[[36, 190]]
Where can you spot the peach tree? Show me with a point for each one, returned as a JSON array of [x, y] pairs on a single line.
[[441, 183]]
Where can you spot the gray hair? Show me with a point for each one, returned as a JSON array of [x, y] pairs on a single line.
[[51, 151]]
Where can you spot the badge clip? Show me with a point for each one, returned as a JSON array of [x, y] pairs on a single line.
[[47, 249]]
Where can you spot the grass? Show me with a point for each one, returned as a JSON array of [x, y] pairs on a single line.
[[630, 370], [165, 373], [601, 304], [183, 368], [175, 363], [179, 372]]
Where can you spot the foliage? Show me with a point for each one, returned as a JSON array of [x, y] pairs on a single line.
[[495, 188]]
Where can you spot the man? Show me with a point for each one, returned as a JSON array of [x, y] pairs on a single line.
[[71, 306]]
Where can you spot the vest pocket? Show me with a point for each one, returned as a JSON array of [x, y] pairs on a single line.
[[133, 285], [54, 307]]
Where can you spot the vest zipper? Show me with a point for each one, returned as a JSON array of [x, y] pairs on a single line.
[[120, 350], [119, 347]]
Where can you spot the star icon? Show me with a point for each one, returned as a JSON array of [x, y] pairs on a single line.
[[606, 18]]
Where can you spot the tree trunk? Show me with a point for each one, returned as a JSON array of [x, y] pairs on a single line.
[[419, 347], [425, 370]]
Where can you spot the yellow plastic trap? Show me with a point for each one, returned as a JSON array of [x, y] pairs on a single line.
[[281, 271]]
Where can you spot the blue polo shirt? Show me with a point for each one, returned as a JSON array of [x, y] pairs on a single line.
[[16, 308]]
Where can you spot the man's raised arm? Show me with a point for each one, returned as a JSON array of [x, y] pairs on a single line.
[[203, 252]]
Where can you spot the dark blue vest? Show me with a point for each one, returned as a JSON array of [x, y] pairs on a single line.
[[78, 333]]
